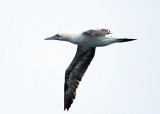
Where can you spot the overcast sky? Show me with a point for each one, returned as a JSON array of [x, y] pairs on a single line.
[[122, 78]]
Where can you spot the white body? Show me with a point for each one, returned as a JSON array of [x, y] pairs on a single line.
[[91, 41]]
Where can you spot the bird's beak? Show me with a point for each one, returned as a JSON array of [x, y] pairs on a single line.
[[51, 38]]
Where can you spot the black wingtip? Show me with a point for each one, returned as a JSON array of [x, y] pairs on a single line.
[[66, 109]]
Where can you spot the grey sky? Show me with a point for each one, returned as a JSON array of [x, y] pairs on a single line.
[[122, 78]]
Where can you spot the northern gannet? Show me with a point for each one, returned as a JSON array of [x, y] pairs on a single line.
[[87, 42]]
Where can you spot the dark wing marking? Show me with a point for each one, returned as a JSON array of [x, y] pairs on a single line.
[[74, 73], [99, 32]]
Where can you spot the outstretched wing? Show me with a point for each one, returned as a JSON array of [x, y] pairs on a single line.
[[99, 32], [74, 73]]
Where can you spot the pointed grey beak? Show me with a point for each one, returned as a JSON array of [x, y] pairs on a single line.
[[51, 38]]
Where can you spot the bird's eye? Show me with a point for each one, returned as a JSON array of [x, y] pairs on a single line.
[[57, 35]]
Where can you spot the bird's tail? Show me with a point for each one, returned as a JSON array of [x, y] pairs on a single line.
[[124, 40]]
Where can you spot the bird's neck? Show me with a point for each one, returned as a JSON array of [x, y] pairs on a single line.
[[69, 37]]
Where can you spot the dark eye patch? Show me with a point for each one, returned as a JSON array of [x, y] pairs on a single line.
[[57, 35]]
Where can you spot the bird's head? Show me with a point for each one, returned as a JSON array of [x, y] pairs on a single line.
[[62, 37]]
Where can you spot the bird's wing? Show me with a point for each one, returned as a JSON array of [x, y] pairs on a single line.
[[74, 73], [99, 32]]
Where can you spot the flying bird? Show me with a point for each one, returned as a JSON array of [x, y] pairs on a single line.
[[87, 42]]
